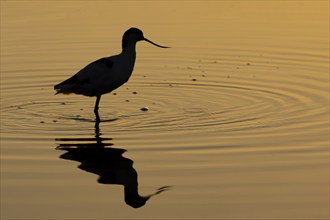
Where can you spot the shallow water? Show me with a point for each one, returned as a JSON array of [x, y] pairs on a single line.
[[238, 119]]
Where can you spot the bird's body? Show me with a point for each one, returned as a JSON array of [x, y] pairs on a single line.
[[106, 74]]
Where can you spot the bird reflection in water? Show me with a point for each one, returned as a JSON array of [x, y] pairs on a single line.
[[108, 163]]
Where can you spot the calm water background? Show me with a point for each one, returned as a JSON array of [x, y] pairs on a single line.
[[238, 119]]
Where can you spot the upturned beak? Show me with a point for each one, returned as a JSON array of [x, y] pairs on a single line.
[[160, 190], [154, 43]]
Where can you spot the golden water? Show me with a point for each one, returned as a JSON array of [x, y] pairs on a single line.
[[238, 120]]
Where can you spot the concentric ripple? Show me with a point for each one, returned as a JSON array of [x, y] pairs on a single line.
[[236, 95]]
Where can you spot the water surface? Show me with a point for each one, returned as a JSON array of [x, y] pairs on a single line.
[[238, 120]]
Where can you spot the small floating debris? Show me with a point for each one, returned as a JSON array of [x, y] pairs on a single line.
[[62, 103], [194, 79], [42, 122], [170, 85], [126, 100], [114, 93], [54, 120], [134, 92], [228, 76], [248, 64], [144, 109], [203, 75]]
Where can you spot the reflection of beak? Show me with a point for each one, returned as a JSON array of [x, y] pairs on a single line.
[[159, 190], [154, 43]]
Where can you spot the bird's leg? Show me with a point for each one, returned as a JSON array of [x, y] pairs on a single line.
[[96, 108], [97, 133]]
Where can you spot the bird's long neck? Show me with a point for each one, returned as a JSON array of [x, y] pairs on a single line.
[[129, 51]]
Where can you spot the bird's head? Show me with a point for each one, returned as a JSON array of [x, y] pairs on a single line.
[[134, 35], [133, 199]]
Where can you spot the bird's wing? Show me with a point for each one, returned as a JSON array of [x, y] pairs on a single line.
[[94, 71]]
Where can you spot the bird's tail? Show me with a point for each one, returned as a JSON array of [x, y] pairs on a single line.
[[62, 88], [71, 85]]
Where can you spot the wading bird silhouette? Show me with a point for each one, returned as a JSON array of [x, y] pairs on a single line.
[[106, 74]]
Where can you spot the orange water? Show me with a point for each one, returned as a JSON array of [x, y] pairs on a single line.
[[238, 120]]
